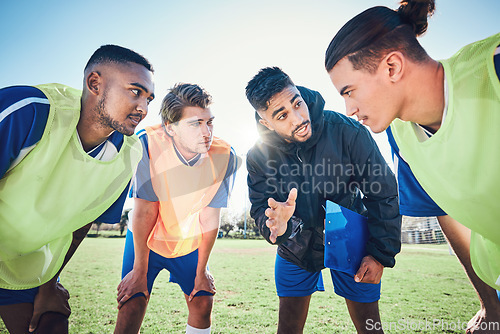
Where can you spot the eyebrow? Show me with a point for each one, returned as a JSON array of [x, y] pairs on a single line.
[[280, 109], [200, 120], [342, 91], [143, 88]]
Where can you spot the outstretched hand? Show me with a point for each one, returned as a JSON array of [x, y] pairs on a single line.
[[130, 285], [50, 298], [370, 271], [279, 213]]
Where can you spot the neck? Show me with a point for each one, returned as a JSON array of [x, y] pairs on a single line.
[[426, 95], [187, 155], [91, 132]]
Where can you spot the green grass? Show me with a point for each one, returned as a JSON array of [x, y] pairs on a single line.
[[426, 284]]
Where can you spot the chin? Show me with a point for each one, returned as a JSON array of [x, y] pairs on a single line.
[[377, 128], [127, 132], [303, 139]]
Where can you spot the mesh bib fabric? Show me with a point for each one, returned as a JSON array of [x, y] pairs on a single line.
[[458, 166], [183, 191], [55, 190]]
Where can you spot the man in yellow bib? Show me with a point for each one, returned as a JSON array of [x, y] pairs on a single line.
[[443, 118], [181, 183], [66, 159]]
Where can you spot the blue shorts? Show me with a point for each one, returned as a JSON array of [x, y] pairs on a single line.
[[293, 281], [10, 297], [182, 269]]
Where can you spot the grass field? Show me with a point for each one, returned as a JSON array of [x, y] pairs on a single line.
[[427, 284]]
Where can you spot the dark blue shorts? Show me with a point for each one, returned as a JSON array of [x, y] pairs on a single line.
[[10, 297], [293, 281], [182, 269]]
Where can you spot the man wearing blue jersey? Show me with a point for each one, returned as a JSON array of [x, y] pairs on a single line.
[[66, 160], [181, 183]]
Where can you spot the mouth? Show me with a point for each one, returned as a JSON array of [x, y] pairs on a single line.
[[362, 119], [135, 119], [303, 130]]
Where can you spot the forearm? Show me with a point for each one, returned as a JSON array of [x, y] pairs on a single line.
[[144, 218], [204, 250], [385, 232], [209, 220]]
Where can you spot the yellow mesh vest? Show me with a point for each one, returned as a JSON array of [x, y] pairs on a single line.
[[56, 189], [183, 191], [459, 166]]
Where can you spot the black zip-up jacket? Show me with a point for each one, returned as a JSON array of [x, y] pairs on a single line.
[[341, 163]]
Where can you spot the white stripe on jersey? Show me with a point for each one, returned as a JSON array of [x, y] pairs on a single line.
[[24, 152], [20, 104]]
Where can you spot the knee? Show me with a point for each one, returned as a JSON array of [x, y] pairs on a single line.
[[202, 306], [135, 305], [53, 322]]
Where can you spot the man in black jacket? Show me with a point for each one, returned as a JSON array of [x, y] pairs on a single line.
[[306, 156]]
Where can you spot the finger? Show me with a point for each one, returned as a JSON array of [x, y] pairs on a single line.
[[360, 274], [34, 322], [270, 223], [272, 203], [123, 300], [270, 213], [273, 235], [292, 196], [192, 294]]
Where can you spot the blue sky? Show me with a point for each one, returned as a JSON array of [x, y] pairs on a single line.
[[218, 44]]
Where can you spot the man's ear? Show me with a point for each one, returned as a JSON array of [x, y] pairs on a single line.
[[395, 65], [170, 129], [93, 82], [266, 124]]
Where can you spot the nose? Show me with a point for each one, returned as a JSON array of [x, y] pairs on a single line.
[[297, 118], [205, 130], [350, 109], [142, 107]]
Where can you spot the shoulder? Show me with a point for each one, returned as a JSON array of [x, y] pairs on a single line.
[[24, 111], [14, 94], [339, 125], [333, 118], [234, 162]]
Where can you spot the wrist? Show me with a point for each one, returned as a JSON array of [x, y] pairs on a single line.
[[140, 269]]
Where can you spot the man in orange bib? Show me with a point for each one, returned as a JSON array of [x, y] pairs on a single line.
[[181, 183]]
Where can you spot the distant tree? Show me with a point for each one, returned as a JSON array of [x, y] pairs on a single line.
[[227, 222], [124, 220], [251, 226], [226, 228]]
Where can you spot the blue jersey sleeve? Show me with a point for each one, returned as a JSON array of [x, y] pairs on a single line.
[[413, 200], [114, 213], [24, 111], [222, 196], [141, 182]]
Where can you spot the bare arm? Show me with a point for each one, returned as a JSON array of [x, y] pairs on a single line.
[[209, 220], [144, 217]]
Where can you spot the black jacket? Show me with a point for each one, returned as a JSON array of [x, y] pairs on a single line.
[[341, 163]]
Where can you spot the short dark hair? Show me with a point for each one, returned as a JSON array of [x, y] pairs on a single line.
[[264, 85], [372, 34], [180, 96], [117, 54]]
